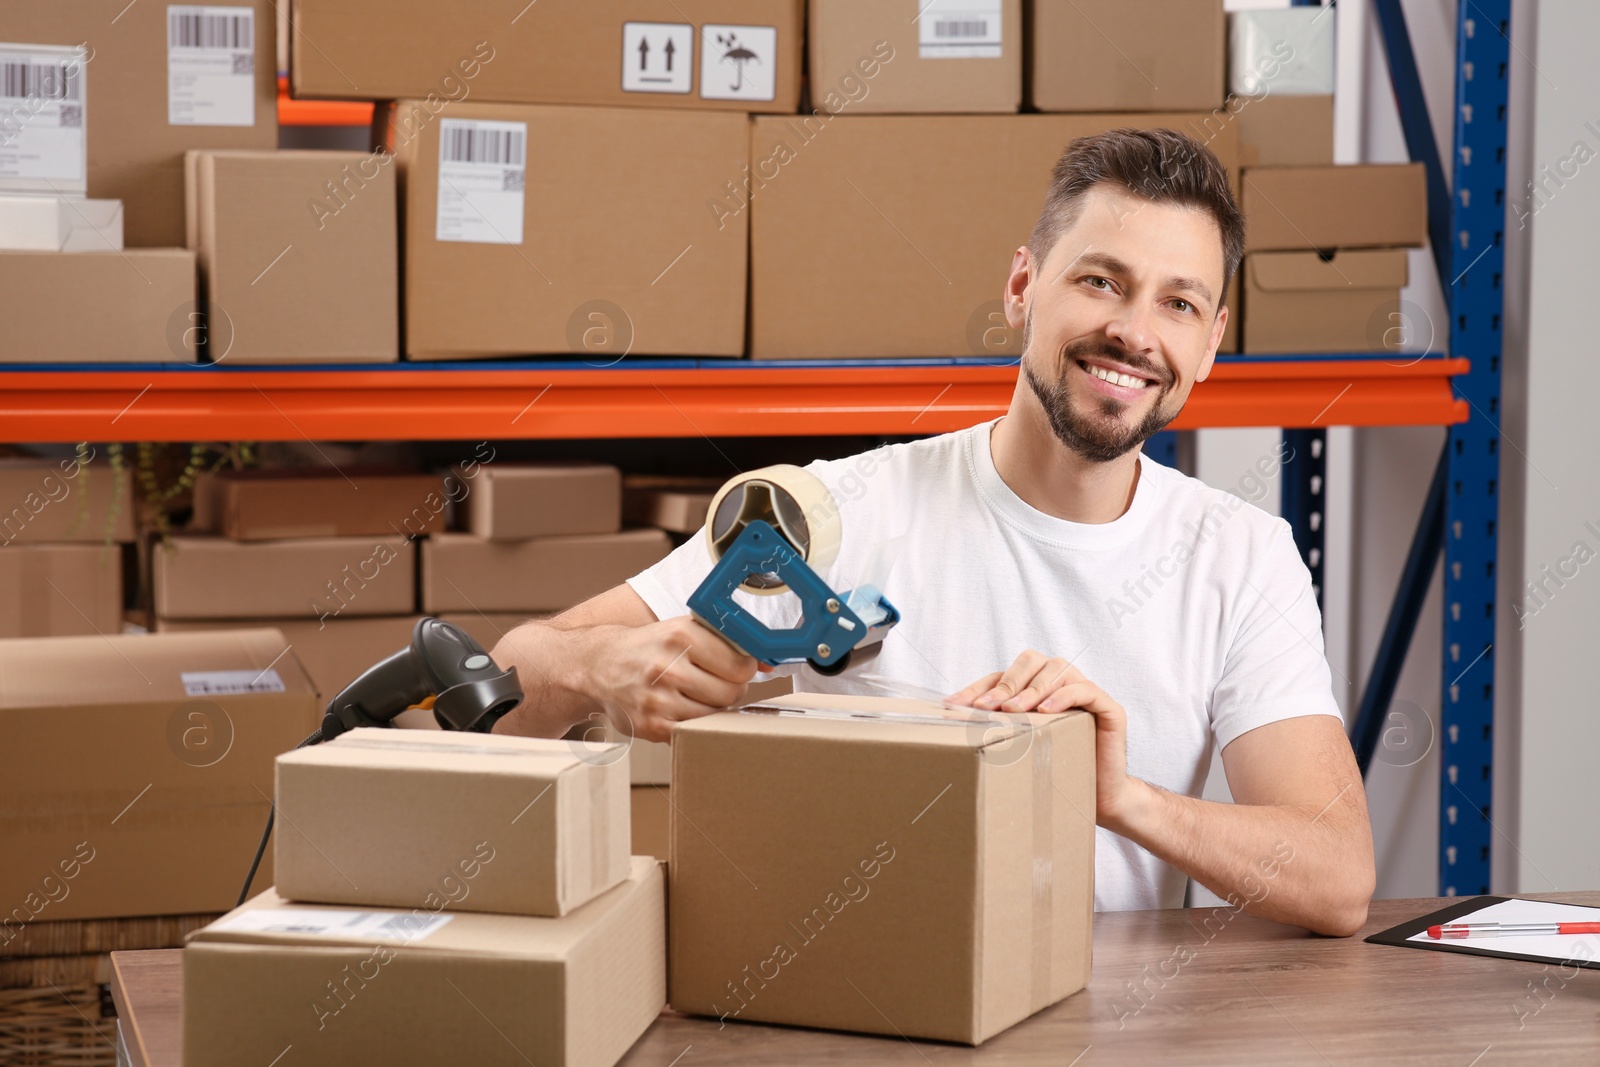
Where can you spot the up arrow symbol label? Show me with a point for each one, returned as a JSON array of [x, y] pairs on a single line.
[[644, 53], [670, 49]]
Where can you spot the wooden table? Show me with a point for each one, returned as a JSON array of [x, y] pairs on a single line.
[[1234, 990]]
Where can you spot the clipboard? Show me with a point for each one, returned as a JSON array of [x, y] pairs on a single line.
[[1568, 950]]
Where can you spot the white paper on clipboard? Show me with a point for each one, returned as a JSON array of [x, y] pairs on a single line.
[[1557, 948]]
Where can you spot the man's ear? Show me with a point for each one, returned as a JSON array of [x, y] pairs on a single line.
[[1017, 286]]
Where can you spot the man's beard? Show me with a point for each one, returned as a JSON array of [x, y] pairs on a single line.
[[1097, 440]]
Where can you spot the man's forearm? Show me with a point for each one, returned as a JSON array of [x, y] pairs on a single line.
[[549, 662], [1304, 866]]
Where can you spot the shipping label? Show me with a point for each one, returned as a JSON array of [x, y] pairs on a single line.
[[958, 29], [42, 100], [229, 683], [483, 167], [211, 66]]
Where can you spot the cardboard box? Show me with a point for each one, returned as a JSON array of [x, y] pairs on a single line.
[[299, 255], [1281, 130], [156, 90], [315, 578], [677, 505], [652, 820], [571, 992], [379, 818], [1369, 205], [1300, 302], [916, 844], [606, 242], [263, 504], [137, 771], [515, 501], [98, 307], [56, 224], [51, 500], [60, 590], [856, 253], [465, 573], [1133, 55], [632, 53], [868, 57], [1288, 51]]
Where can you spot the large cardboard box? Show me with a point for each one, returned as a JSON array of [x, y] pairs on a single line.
[[1300, 302], [60, 590], [740, 55], [605, 242], [421, 986], [317, 578], [857, 251], [299, 258], [265, 504], [51, 500], [381, 817], [161, 79], [931, 871], [1133, 55], [1368, 205], [137, 770], [334, 652], [98, 307], [889, 56], [461, 572], [1282, 130], [515, 501], [677, 505]]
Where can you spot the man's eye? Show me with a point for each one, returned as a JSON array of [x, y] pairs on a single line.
[[1183, 305], [1099, 283]]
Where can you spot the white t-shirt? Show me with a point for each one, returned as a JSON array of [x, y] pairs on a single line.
[[1193, 610]]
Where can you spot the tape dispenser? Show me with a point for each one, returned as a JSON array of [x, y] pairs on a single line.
[[769, 532]]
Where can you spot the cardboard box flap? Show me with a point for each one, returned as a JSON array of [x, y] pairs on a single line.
[[437, 750], [1348, 269], [269, 919], [51, 672], [900, 719]]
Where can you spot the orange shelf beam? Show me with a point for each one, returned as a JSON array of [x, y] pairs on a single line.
[[292, 112], [184, 404]]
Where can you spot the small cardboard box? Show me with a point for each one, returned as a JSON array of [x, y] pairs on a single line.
[[56, 224], [902, 265], [52, 500], [98, 307], [1288, 50], [677, 505], [869, 57], [736, 55], [299, 256], [316, 578], [1132, 55], [137, 770], [931, 870], [1281, 130], [334, 652], [60, 590], [161, 79], [1300, 302], [1368, 205], [351, 985], [394, 818], [515, 501], [265, 504], [461, 572], [608, 241]]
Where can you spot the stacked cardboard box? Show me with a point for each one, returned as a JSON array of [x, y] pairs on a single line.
[[524, 900]]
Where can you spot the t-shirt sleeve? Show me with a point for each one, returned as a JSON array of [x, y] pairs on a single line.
[[1275, 667], [667, 584]]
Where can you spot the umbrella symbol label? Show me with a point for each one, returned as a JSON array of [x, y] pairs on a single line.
[[657, 57], [738, 62]]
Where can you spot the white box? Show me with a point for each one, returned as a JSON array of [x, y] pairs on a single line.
[[1287, 50], [59, 224]]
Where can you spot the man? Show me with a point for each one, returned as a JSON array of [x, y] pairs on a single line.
[[1044, 565]]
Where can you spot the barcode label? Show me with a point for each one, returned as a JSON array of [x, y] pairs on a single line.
[[477, 143], [406, 926], [42, 81], [226, 683], [188, 28], [42, 120], [482, 171], [959, 29], [211, 78]]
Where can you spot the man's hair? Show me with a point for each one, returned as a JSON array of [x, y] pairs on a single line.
[[1162, 166]]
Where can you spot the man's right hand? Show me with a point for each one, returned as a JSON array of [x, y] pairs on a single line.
[[649, 678]]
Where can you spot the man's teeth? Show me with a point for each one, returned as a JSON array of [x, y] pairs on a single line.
[[1117, 379]]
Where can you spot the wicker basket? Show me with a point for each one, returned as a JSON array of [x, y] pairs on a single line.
[[59, 1026]]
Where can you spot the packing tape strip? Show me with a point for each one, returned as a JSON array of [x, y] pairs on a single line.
[[1044, 806], [793, 500]]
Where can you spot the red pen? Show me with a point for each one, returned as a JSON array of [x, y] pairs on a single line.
[[1455, 930]]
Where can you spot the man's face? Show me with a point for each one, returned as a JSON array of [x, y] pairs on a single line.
[[1120, 320]]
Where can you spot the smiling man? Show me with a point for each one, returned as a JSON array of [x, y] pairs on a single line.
[[1019, 541]]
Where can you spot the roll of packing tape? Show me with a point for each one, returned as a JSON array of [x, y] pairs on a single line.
[[796, 504]]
